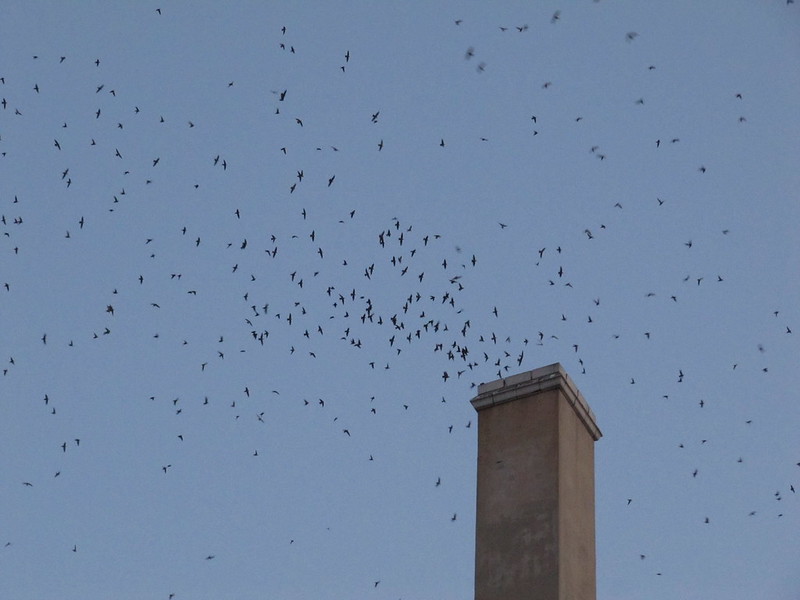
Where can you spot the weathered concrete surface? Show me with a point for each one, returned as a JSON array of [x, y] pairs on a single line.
[[535, 530]]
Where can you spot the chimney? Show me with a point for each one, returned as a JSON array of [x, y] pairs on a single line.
[[534, 537]]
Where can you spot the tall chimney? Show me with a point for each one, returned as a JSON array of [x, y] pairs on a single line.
[[535, 501]]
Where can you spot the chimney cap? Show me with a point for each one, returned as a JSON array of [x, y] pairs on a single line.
[[530, 383]]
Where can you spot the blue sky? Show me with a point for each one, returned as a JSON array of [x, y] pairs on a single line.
[[207, 175]]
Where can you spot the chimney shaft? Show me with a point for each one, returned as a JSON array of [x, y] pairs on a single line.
[[535, 529]]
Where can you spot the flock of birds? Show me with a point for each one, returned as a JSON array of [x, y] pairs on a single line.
[[308, 284]]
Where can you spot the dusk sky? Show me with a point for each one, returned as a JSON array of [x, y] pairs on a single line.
[[257, 256]]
